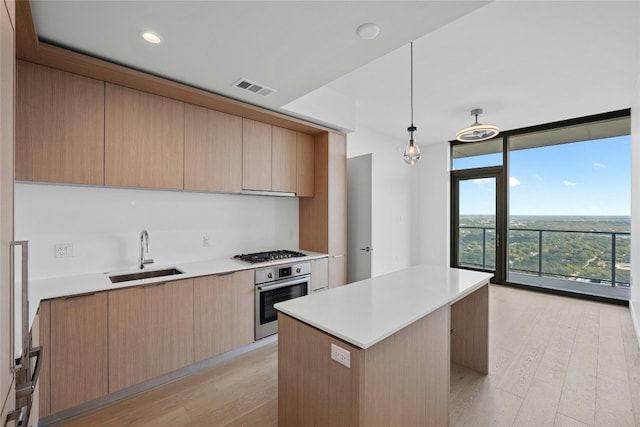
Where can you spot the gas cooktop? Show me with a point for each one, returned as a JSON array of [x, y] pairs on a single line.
[[269, 256]]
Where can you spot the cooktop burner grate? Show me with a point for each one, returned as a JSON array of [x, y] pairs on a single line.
[[269, 256]]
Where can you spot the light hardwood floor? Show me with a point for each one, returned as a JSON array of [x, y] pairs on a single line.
[[555, 361]]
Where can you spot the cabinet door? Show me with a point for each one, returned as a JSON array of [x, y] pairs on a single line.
[[177, 326], [78, 350], [319, 274], [304, 165], [223, 312], [337, 210], [44, 383], [337, 194], [283, 160], [135, 329], [144, 139], [34, 416], [150, 332], [59, 126], [256, 155], [212, 150], [6, 208], [323, 218], [337, 270]]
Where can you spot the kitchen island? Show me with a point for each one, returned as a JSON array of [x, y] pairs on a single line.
[[378, 351]]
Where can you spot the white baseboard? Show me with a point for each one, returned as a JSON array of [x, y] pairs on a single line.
[[634, 306]]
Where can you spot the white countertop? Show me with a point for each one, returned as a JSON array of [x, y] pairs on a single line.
[[57, 287], [366, 312]]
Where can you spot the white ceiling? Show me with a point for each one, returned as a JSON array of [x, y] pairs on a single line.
[[293, 47], [524, 62]]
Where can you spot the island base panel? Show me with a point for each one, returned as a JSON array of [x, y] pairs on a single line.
[[402, 380], [470, 331]]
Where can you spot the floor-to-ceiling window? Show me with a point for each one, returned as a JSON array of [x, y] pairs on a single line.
[[564, 219]]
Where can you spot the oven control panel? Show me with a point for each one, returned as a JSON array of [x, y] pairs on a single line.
[[271, 274]]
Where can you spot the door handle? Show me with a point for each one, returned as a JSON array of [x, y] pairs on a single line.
[[366, 249], [29, 387], [20, 416]]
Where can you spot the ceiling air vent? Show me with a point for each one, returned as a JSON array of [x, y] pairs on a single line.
[[254, 87]]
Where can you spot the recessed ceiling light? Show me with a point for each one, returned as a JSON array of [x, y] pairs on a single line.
[[150, 37], [368, 31]]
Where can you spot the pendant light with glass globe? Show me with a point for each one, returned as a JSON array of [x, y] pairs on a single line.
[[412, 152]]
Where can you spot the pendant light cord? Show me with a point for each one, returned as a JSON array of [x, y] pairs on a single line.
[[411, 84]]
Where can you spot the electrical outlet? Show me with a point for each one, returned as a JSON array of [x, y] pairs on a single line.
[[205, 241], [63, 250], [341, 355]]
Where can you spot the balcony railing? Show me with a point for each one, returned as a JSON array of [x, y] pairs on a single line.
[[604, 255]]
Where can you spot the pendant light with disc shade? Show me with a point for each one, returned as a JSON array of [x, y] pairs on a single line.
[[477, 131]]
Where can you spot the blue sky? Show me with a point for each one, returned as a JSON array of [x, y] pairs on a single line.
[[583, 178]]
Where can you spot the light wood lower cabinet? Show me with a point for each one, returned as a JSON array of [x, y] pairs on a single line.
[[150, 332], [223, 313], [337, 271], [34, 416], [74, 336], [319, 274], [102, 343]]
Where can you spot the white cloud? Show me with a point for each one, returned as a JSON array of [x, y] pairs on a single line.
[[569, 183], [513, 181], [599, 165], [482, 181]]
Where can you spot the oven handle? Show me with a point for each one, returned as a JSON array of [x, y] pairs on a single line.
[[264, 288]]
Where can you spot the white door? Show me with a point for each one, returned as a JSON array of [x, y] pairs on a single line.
[[359, 218]]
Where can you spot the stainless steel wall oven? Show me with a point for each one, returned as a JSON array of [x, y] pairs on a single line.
[[274, 285]]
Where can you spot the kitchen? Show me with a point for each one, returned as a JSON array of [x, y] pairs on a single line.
[[107, 222]]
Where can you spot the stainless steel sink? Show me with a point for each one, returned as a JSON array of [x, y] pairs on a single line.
[[144, 275]]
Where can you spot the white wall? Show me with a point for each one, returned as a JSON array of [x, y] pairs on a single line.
[[104, 226], [434, 205], [394, 185]]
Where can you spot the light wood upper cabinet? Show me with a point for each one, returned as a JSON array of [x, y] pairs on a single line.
[[6, 210], [144, 139], [256, 155], [223, 313], [212, 150], [283, 160], [150, 332], [305, 169], [59, 126], [269, 157], [77, 350]]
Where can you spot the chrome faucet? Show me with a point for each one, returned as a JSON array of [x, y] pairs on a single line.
[[144, 238]]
